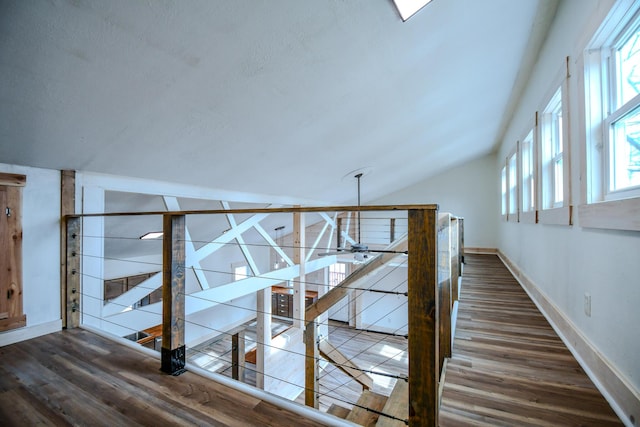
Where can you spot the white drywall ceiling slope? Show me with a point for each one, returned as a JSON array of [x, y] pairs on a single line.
[[271, 97]]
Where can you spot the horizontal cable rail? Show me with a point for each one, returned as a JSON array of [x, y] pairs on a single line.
[[374, 308]]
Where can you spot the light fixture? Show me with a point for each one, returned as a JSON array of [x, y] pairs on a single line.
[[152, 235], [408, 8]]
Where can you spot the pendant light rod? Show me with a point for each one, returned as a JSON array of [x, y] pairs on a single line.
[[357, 177]]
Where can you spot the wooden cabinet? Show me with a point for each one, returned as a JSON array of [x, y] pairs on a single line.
[[282, 301], [115, 287]]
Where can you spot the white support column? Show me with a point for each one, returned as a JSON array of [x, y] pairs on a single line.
[[243, 247], [299, 287], [323, 319], [263, 334]]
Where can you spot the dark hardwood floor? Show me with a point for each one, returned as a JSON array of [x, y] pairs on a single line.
[[75, 377], [509, 367]]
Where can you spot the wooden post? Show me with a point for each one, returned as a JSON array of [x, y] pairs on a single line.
[[173, 288], [455, 259], [67, 207], [11, 305], [311, 386], [461, 242], [72, 272], [444, 286], [237, 356], [392, 230], [423, 318]]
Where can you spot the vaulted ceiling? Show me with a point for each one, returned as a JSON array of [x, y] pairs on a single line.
[[281, 97]]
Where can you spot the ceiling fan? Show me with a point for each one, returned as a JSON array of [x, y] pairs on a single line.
[[361, 251]]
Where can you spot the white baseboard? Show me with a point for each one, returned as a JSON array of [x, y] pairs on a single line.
[[28, 332], [480, 250], [621, 395]]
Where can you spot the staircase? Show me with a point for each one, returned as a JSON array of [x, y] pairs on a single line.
[[370, 407]]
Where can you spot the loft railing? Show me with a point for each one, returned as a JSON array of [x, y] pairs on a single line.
[[431, 242]]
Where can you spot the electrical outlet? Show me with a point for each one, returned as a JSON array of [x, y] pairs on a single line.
[[587, 304]]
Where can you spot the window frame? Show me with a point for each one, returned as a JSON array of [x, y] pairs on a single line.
[[513, 189], [529, 216], [601, 208], [558, 213], [504, 210]]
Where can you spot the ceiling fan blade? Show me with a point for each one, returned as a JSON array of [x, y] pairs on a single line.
[[331, 253]]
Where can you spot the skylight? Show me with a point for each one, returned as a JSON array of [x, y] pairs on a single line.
[[408, 8]]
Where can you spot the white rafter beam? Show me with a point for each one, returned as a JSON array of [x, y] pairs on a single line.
[[243, 246]]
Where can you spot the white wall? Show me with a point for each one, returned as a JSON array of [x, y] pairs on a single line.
[[40, 252], [468, 190], [565, 262]]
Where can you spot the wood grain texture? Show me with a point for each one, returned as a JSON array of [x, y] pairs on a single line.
[[509, 367], [11, 309], [74, 377], [422, 278]]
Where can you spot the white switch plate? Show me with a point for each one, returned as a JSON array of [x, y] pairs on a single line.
[[587, 304]]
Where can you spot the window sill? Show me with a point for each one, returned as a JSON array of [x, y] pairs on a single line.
[[613, 215], [512, 217], [556, 216], [530, 217]]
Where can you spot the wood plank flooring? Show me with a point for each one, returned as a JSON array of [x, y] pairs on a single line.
[[75, 377], [509, 367]]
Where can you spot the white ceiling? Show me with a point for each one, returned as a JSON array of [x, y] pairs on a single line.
[[281, 97]]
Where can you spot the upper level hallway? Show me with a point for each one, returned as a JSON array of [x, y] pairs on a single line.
[[509, 367]]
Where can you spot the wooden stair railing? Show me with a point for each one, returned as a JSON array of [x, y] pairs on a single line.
[[342, 362], [366, 410], [397, 406]]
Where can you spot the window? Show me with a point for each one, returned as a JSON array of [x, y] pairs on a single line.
[[512, 180], [337, 273], [528, 178], [503, 180], [611, 188], [624, 121], [240, 272], [552, 153], [554, 197]]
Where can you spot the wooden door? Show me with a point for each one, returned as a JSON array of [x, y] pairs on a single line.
[[11, 311]]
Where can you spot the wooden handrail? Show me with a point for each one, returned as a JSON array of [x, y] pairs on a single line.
[[292, 209]]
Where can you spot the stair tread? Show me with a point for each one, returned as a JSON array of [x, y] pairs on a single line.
[[360, 415], [397, 405], [338, 411]]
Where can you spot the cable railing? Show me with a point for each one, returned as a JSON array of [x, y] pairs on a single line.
[[208, 284]]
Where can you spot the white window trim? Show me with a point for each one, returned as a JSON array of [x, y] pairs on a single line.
[[504, 196], [595, 211], [561, 215], [530, 216], [513, 216]]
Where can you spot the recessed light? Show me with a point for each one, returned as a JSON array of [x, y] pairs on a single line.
[[408, 8], [152, 235]]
